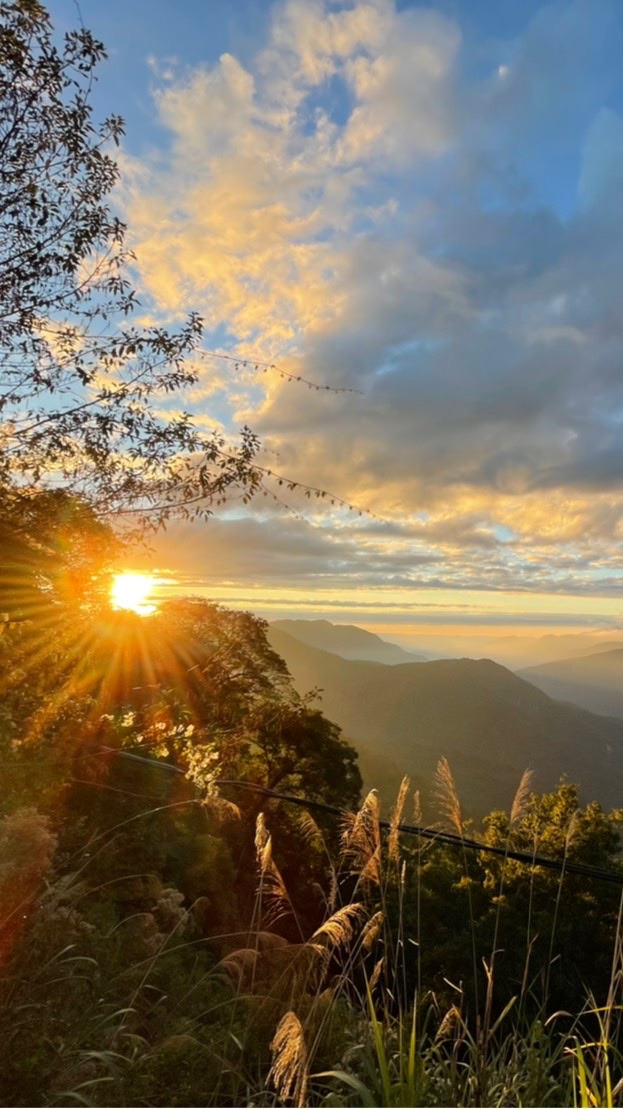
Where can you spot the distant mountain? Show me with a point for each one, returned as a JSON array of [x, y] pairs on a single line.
[[347, 641], [593, 681], [599, 646], [488, 722], [514, 651]]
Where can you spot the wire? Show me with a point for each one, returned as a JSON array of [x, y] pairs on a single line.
[[114, 789], [141, 758], [531, 859], [561, 865]]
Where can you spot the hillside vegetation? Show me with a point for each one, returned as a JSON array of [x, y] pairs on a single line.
[[174, 932], [490, 723]]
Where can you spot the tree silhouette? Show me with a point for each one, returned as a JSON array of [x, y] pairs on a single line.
[[82, 389]]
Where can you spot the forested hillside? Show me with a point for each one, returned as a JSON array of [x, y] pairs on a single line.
[[159, 924], [488, 722]]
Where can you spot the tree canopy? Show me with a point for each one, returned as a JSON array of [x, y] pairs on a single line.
[[82, 390]]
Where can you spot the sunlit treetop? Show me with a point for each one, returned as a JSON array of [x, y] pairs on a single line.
[[56, 554]]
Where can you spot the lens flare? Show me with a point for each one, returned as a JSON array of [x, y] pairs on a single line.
[[132, 591]]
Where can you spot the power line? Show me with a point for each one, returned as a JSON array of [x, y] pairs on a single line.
[[561, 865]]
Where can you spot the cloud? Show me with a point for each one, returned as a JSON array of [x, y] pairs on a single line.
[[440, 555], [368, 207], [601, 176]]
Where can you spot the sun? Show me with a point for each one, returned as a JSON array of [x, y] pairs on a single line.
[[132, 590]]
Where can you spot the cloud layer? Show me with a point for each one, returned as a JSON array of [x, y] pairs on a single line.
[[379, 203]]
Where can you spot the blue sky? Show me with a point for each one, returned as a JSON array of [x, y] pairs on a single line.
[[421, 203]]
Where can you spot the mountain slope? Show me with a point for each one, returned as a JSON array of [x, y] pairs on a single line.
[[346, 640], [593, 681], [488, 722]]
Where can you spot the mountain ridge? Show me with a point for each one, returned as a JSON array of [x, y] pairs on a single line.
[[594, 681], [347, 641], [490, 723]]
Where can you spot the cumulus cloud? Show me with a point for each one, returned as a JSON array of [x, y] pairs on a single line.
[[365, 206]]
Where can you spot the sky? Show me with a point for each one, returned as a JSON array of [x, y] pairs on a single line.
[[420, 205]]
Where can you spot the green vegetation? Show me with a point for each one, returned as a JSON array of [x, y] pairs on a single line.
[[169, 941], [168, 936], [165, 941]]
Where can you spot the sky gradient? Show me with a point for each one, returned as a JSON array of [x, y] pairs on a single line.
[[420, 203]]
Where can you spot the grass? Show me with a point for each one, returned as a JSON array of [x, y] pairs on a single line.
[[143, 1011]]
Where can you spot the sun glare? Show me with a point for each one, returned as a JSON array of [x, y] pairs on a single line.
[[132, 591]]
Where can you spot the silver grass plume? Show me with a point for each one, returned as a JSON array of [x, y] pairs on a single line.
[[396, 819], [310, 830], [449, 1024], [522, 797], [289, 1072], [361, 838], [272, 886], [339, 928], [263, 844], [447, 796], [376, 974], [572, 830], [372, 931]]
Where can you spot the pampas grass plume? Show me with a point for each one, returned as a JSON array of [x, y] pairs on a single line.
[[289, 1072]]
